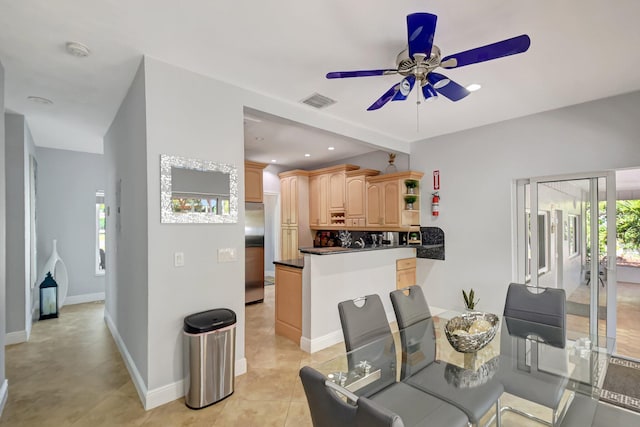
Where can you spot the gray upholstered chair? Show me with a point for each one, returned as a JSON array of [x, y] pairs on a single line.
[[368, 337], [421, 370], [532, 318], [329, 409]]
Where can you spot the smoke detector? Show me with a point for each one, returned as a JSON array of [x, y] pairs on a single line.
[[77, 49]]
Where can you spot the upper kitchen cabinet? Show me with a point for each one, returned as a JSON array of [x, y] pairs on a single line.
[[253, 189], [327, 199], [356, 196], [385, 203]]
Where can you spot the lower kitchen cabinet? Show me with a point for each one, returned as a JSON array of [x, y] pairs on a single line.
[[289, 302], [405, 272]]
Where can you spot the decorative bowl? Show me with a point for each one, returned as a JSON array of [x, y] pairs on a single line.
[[457, 331]]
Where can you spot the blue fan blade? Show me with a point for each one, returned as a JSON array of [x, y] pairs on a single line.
[[453, 91], [429, 92], [420, 30], [388, 96], [486, 53], [406, 86], [359, 73]]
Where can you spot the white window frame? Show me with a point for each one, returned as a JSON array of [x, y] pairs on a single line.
[[573, 232]]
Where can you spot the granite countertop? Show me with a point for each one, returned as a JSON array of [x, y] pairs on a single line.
[[333, 250], [295, 263]]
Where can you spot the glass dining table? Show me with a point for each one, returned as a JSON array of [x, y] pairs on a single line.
[[550, 375]]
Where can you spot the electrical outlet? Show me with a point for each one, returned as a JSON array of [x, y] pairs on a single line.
[[227, 255], [178, 259]]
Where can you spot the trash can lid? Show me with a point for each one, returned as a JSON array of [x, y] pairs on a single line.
[[210, 320]]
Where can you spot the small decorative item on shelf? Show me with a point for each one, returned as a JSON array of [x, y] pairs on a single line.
[[391, 168], [470, 300], [48, 298], [410, 200], [470, 332], [411, 185]]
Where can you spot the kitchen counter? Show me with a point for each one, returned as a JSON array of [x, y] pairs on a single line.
[[295, 262], [333, 250]]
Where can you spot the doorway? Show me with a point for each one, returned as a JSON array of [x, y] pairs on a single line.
[[565, 233]]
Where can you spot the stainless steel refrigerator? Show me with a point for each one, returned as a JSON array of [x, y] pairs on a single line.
[[254, 253]]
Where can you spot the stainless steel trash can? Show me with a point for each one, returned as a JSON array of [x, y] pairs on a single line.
[[210, 343]]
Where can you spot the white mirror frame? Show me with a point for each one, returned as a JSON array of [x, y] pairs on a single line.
[[166, 209]]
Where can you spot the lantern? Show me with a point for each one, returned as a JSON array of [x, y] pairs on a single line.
[[48, 298]]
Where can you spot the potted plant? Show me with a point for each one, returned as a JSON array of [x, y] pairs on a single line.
[[410, 200], [411, 185], [470, 300]]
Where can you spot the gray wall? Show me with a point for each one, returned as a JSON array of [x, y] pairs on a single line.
[[18, 147], [3, 381], [378, 160], [126, 199], [66, 198], [478, 168]]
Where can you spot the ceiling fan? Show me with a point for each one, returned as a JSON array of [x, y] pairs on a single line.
[[417, 62]]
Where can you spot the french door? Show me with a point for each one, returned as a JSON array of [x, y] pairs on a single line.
[[565, 236]]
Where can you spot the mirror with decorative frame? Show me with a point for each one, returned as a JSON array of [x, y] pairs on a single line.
[[194, 191]]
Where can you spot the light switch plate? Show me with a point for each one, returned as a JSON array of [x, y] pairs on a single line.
[[178, 259], [227, 255]]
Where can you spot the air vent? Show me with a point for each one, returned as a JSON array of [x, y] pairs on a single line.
[[318, 101]]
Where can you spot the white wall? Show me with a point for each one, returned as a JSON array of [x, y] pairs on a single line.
[[3, 247], [477, 170], [18, 147], [127, 291], [66, 210], [377, 160]]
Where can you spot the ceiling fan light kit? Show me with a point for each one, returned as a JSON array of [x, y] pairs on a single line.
[[419, 60]]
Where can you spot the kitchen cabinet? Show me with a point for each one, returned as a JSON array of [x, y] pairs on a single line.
[[294, 213], [253, 190], [405, 272], [327, 202], [356, 196], [288, 313], [318, 200], [385, 201]]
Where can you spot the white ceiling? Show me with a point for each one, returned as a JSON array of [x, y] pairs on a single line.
[[581, 50]]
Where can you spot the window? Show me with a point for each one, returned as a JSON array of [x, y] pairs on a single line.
[[543, 243], [101, 219], [574, 234]]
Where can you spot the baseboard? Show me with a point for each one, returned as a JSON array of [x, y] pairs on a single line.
[[15, 337], [320, 343], [158, 396], [138, 382], [81, 299], [4, 392]]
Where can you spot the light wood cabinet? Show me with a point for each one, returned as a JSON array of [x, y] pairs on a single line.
[[385, 201], [288, 314], [289, 243], [318, 203], [405, 272], [356, 196], [294, 213], [327, 204], [253, 190]]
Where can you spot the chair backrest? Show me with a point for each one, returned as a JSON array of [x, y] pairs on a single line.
[[330, 410], [368, 338], [417, 333], [545, 308], [363, 324]]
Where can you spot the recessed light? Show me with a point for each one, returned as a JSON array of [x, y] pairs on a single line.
[[473, 87], [331, 148], [40, 100], [273, 160], [307, 155], [77, 49]]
